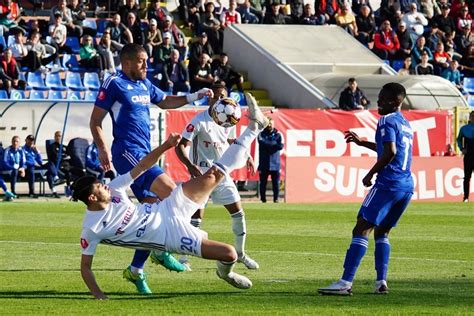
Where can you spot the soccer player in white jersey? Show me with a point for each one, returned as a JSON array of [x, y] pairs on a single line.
[[209, 141], [111, 218], [126, 97], [388, 198]]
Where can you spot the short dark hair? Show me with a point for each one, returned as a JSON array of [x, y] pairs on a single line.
[[395, 91], [82, 188], [130, 51], [351, 80]]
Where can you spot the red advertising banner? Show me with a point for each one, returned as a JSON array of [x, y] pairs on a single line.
[[320, 133], [317, 180]]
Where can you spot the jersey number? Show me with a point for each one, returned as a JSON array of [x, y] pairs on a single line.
[[188, 245], [408, 143]]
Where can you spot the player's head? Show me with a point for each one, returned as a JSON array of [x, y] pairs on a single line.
[[471, 117], [133, 58], [270, 124], [15, 142], [219, 90], [90, 190], [391, 98]]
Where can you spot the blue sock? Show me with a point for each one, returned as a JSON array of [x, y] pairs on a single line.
[[139, 258], [4, 186], [382, 256], [354, 256]]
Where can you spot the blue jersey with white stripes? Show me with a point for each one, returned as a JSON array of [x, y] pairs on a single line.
[[396, 175], [128, 103]]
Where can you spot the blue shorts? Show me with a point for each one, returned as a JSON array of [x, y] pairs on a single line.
[[125, 162], [383, 207]]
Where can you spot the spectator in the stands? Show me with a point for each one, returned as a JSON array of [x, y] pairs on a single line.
[[231, 16], [201, 74], [353, 98], [175, 75], [93, 163], [327, 8], [10, 13], [467, 61], [67, 20], [463, 40], [39, 54], [386, 42], [407, 69], [406, 5], [406, 41], [162, 52], [432, 37], [18, 47], [201, 46], [441, 59], [464, 19], [346, 20], [90, 57], [258, 8], [424, 67], [118, 31], [309, 18], [194, 19], [415, 21], [356, 6], [212, 26], [58, 163], [14, 161], [155, 11], [110, 51], [274, 16], [129, 6], [78, 14], [58, 33], [177, 36], [33, 160], [419, 49], [450, 46], [135, 28], [246, 14], [222, 71], [10, 73], [452, 74], [296, 7], [365, 25], [430, 8], [444, 21], [152, 37]]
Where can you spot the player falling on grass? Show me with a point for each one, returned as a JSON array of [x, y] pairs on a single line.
[[209, 141], [127, 96], [387, 200], [111, 218]]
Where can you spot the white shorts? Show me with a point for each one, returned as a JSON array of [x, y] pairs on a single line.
[[181, 237], [225, 193]]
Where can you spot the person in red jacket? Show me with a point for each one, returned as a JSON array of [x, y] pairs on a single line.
[[386, 42], [9, 73]]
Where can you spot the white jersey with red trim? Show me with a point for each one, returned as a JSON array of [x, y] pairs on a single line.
[[209, 140], [122, 223]]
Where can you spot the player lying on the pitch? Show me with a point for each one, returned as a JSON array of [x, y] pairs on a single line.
[[111, 218]]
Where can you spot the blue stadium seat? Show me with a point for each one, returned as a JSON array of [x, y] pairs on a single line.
[[17, 94], [469, 85], [91, 81], [101, 26], [397, 64], [73, 81], [71, 62], [37, 95], [3, 95], [53, 81], [74, 95], [239, 97], [91, 95], [2, 42], [35, 81], [73, 43], [55, 95], [470, 101]]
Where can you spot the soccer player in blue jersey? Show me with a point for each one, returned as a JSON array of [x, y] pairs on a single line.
[[127, 96], [388, 198], [465, 142]]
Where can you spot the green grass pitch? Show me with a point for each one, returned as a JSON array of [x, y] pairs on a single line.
[[299, 248]]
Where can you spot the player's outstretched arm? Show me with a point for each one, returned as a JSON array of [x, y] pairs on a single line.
[[95, 124], [182, 153], [352, 137], [174, 102], [152, 158], [89, 278], [389, 152]]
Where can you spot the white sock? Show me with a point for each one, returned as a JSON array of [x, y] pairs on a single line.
[[234, 157], [135, 271], [240, 231], [224, 268]]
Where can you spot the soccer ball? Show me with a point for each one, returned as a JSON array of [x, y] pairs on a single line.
[[226, 112]]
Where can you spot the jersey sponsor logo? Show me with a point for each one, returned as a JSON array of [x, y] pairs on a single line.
[[125, 221], [141, 98], [129, 87], [115, 199], [101, 95], [190, 128], [84, 243]]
